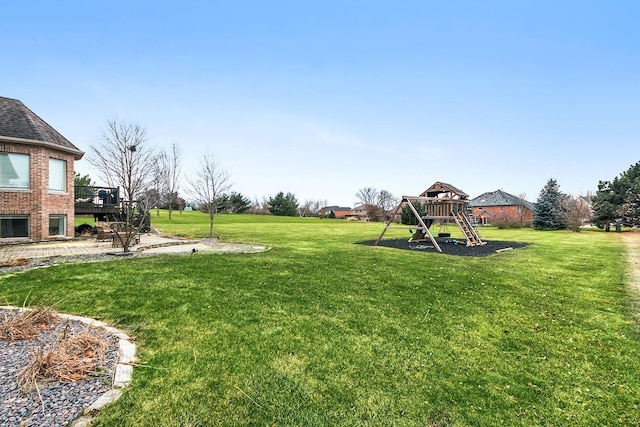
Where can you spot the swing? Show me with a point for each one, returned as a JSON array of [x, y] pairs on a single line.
[[443, 231]]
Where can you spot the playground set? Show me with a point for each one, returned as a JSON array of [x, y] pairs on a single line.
[[441, 203]]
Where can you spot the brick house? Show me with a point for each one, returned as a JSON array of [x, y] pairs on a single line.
[[337, 212], [36, 177], [500, 206]]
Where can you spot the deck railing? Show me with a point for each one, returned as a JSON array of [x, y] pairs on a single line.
[[95, 197]]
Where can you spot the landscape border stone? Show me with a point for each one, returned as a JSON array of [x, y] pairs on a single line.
[[123, 370]]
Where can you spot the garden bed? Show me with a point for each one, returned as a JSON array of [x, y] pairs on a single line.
[[58, 396]]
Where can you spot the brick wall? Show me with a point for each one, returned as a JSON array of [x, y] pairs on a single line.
[[37, 201], [508, 213]]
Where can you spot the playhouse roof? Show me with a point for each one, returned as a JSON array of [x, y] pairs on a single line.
[[443, 187], [21, 125]]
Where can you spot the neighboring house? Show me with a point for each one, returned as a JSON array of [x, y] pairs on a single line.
[[36, 177], [360, 212], [370, 213], [334, 212], [500, 206]]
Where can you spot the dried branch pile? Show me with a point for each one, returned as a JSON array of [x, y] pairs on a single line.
[[73, 359], [15, 262], [25, 324]]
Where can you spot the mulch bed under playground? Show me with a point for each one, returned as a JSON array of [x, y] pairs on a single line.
[[449, 246]]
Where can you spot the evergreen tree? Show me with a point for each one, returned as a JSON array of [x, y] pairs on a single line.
[[80, 184], [282, 205], [631, 207], [618, 200], [235, 203], [239, 203], [408, 217], [548, 213], [82, 180]]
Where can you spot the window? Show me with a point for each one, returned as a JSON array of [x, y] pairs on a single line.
[[57, 175], [14, 226], [57, 225], [14, 170]]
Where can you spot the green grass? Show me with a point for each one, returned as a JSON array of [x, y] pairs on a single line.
[[321, 331]]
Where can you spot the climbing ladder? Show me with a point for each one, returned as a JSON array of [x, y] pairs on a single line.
[[469, 231]]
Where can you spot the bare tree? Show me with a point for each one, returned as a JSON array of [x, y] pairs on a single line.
[[259, 207], [208, 185], [522, 205], [123, 160], [376, 203], [578, 212], [168, 166], [386, 201], [312, 207], [367, 196], [156, 193], [153, 196]]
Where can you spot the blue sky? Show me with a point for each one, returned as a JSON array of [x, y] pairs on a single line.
[[322, 98]]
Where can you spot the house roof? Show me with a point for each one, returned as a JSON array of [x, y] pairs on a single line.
[[21, 125], [359, 207], [499, 198], [443, 187], [336, 208]]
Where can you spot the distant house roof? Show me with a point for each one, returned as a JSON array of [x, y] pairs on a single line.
[[21, 125], [336, 208], [443, 187], [499, 198], [360, 207]]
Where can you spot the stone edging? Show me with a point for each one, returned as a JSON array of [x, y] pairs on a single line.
[[123, 371]]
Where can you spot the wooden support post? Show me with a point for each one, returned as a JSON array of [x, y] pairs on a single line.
[[395, 211], [433, 240], [418, 217]]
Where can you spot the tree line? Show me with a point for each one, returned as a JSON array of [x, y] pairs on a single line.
[[616, 202], [150, 178]]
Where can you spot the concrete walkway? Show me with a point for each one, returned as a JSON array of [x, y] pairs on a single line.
[[150, 244]]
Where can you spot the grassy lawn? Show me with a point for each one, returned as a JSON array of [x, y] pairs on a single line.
[[321, 331]]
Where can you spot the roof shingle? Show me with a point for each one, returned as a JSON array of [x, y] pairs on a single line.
[[18, 121], [499, 198]]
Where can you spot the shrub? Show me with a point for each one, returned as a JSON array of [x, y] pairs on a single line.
[[509, 223]]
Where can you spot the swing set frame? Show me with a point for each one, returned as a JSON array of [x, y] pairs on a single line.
[[443, 203]]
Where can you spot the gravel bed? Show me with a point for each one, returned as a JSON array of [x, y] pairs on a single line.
[[57, 403], [61, 259]]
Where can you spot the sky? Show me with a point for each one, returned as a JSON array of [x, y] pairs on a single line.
[[324, 98]]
